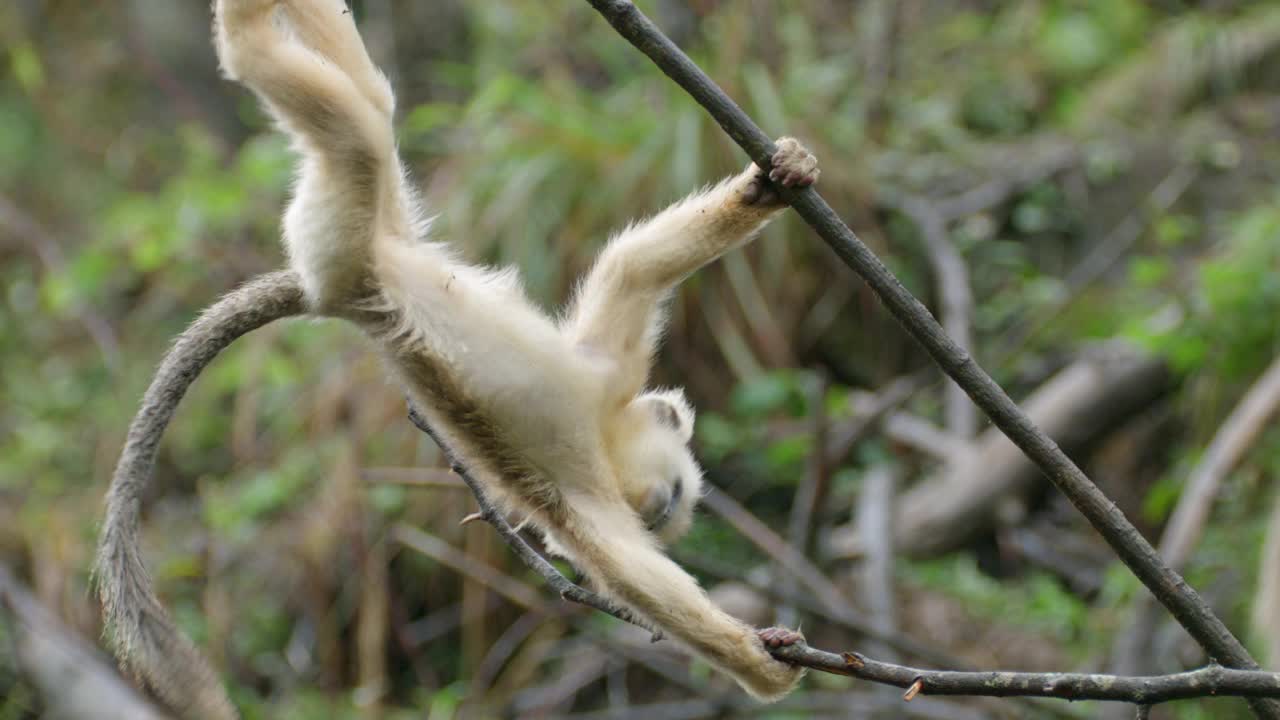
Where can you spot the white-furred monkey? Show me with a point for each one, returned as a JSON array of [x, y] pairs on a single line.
[[553, 416]]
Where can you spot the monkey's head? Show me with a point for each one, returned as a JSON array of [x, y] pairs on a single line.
[[660, 478]]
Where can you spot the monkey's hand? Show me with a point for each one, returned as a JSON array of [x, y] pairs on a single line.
[[771, 679], [793, 166]]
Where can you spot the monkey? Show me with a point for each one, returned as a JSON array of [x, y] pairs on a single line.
[[552, 414]]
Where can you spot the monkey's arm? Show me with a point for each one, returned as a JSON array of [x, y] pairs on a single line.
[[609, 543], [618, 308]]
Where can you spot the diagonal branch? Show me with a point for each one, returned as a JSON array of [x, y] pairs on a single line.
[[1183, 602]]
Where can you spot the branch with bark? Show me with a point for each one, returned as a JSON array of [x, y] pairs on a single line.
[[1207, 681]]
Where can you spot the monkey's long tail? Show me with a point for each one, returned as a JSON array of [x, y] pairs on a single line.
[[142, 634]]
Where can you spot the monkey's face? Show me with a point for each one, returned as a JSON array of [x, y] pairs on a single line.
[[660, 478]]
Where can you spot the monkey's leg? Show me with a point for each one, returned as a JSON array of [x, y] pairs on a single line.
[[328, 27], [349, 188], [311, 97]]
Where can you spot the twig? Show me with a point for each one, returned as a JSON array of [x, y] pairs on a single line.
[[490, 514], [1168, 586], [1207, 681], [519, 594]]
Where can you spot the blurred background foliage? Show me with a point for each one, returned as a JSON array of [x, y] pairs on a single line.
[[1129, 158]]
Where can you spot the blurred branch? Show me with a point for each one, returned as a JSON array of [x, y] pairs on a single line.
[[870, 411], [1234, 438], [824, 592], [1045, 156], [1077, 406], [875, 521], [954, 293], [1167, 585], [74, 681]]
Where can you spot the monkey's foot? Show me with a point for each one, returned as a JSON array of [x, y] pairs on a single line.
[[793, 166], [776, 637]]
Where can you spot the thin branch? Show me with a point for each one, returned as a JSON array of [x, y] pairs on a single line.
[[490, 514], [1205, 682], [1168, 586]]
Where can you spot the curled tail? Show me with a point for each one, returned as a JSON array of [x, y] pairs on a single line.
[[142, 634]]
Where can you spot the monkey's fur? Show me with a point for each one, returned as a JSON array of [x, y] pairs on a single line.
[[552, 415]]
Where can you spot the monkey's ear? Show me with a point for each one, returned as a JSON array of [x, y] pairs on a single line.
[[671, 409]]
